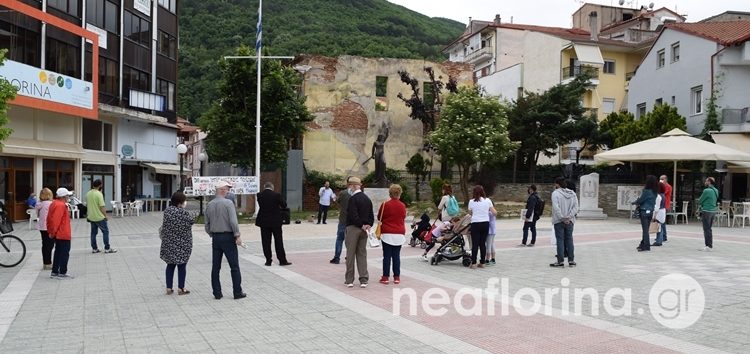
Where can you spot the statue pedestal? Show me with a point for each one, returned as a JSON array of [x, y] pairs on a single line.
[[377, 196], [589, 203]]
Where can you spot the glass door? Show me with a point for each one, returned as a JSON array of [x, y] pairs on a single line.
[[22, 191]]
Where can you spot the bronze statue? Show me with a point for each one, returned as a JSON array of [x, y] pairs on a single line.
[[378, 155]]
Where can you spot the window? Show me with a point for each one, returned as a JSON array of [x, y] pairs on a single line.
[[673, 101], [63, 58], [21, 37], [136, 80], [660, 59], [170, 5], [381, 86], [696, 100], [676, 52], [658, 101], [68, 6], [136, 29], [166, 88], [640, 110], [428, 96], [167, 45], [485, 71], [108, 76], [608, 105], [609, 66], [97, 135]]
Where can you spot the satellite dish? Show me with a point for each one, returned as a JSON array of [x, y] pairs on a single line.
[[622, 2], [651, 5]]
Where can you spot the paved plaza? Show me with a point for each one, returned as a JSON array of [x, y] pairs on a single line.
[[116, 302]]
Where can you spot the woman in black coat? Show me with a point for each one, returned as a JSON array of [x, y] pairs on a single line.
[[176, 241]]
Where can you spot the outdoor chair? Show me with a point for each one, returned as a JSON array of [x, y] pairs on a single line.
[[682, 213], [33, 217], [74, 212], [741, 212], [722, 214], [135, 207], [118, 208]]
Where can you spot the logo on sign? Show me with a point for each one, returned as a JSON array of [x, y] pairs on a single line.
[[127, 150]]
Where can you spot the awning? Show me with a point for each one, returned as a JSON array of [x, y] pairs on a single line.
[[737, 141], [15, 146], [165, 168], [588, 54]]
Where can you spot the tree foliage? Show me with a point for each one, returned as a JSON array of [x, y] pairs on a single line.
[[426, 110], [210, 29], [472, 129], [622, 129], [417, 166], [7, 93], [230, 122]]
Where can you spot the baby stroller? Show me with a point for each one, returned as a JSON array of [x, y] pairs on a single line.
[[422, 230], [454, 247]]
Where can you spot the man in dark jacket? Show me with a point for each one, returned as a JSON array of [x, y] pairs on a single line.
[[269, 221], [531, 217], [359, 220]]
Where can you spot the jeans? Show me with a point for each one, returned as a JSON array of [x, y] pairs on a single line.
[[95, 227], [529, 225], [278, 243], [707, 217], [479, 231], [564, 236], [322, 211], [47, 245], [340, 236], [645, 237], [181, 273], [664, 231], [356, 252], [490, 246], [223, 244], [62, 254], [660, 235], [391, 252]]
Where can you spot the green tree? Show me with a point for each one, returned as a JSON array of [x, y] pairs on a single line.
[[230, 122], [620, 129], [417, 166], [472, 129], [7, 93]]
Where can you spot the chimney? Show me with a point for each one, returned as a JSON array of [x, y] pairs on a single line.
[[593, 26], [497, 19]]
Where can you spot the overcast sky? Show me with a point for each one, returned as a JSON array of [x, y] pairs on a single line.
[[556, 12]]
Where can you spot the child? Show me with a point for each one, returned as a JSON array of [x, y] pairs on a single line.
[[490, 245], [437, 234], [58, 228]]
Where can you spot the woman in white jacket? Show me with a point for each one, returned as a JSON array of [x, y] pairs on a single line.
[[660, 215]]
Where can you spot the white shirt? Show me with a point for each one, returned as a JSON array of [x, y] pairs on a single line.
[[393, 239], [480, 211], [326, 195]]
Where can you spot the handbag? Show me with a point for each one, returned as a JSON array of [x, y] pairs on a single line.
[[378, 232], [653, 227], [373, 240]]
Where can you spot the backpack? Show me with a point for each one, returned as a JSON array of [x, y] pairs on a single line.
[[538, 208], [452, 206]]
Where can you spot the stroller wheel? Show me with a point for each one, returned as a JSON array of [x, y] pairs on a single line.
[[413, 242], [432, 261], [466, 262], [423, 245]]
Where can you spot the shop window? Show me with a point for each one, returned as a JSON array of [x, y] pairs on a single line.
[[24, 45], [63, 58], [70, 7], [97, 135]]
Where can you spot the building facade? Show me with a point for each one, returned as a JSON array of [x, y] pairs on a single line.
[[96, 98]]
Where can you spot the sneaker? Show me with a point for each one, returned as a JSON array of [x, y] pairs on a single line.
[[492, 261], [656, 244], [384, 280], [53, 275], [706, 249], [424, 258], [572, 264], [363, 285], [65, 276], [334, 261], [95, 250], [396, 280], [644, 250], [110, 250], [240, 296], [557, 265], [350, 285], [47, 267], [530, 245], [522, 245]]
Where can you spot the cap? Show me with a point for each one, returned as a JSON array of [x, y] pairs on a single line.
[[221, 184], [354, 180], [63, 192]]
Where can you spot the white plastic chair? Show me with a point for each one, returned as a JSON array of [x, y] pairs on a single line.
[[135, 207], [682, 213], [742, 212], [33, 217], [118, 208], [74, 212]]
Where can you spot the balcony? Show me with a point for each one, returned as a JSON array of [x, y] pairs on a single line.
[[571, 72], [735, 120], [479, 56]]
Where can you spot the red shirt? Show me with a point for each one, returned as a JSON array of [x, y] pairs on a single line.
[[667, 195], [58, 221], [392, 215]]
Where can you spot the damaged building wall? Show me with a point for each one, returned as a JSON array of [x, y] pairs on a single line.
[[341, 94]]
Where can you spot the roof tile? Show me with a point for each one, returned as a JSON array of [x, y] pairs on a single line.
[[724, 33]]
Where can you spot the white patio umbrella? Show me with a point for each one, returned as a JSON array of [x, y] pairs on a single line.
[[675, 145]]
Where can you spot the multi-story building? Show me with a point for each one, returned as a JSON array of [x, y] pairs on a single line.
[[96, 100]]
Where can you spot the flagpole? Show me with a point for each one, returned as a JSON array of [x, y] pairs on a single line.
[[258, 46]]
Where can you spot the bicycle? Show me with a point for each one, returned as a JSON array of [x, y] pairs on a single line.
[[12, 251]]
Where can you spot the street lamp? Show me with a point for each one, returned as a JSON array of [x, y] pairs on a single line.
[[181, 149], [203, 158]]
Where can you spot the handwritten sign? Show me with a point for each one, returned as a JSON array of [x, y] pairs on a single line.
[[240, 185]]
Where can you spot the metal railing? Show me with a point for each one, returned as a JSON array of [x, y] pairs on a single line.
[[735, 116], [477, 54], [575, 71]]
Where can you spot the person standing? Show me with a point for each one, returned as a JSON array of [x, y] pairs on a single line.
[[176, 242], [392, 215], [443, 205], [645, 203], [480, 209], [667, 204], [359, 220], [531, 217], [343, 201], [97, 217], [490, 244], [660, 214], [269, 221], [708, 202], [564, 210], [42, 209], [326, 196], [221, 225], [58, 227]]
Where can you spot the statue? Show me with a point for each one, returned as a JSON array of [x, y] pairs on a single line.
[[378, 155]]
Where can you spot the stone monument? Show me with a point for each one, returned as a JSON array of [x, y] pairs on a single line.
[[377, 196], [589, 198]]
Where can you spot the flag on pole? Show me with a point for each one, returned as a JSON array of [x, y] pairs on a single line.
[[259, 33]]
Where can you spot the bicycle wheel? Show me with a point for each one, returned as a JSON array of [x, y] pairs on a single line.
[[12, 251]]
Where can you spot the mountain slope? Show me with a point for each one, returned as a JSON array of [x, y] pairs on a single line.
[[210, 29]]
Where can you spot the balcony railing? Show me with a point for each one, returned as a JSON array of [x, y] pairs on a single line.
[[735, 116], [629, 75], [575, 71], [479, 55]]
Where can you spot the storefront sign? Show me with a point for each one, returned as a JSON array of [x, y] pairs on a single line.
[[47, 85], [240, 185], [143, 6], [102, 35], [127, 150]]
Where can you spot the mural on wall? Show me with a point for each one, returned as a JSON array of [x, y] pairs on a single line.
[[357, 110]]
